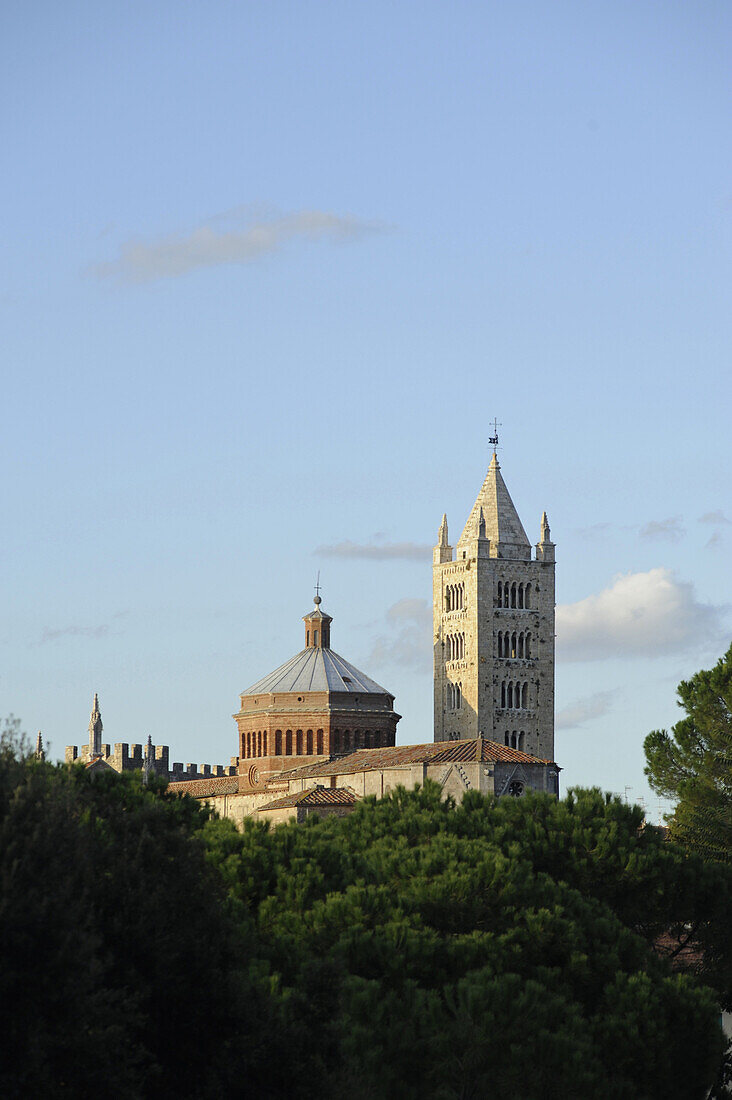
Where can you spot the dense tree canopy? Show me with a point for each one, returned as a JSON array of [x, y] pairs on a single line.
[[497, 948], [415, 948], [693, 763]]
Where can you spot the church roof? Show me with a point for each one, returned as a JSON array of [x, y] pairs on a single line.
[[316, 669], [436, 752], [502, 523]]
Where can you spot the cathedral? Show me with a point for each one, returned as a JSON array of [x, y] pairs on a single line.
[[317, 734]]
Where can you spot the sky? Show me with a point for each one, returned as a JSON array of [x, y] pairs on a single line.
[[271, 270]]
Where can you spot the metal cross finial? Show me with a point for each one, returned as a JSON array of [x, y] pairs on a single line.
[[317, 585], [494, 438]]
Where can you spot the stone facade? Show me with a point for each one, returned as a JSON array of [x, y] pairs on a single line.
[[457, 767], [493, 614]]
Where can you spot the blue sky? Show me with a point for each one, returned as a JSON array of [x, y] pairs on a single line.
[[272, 269]]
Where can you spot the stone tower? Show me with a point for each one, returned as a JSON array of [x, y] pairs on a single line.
[[493, 614]]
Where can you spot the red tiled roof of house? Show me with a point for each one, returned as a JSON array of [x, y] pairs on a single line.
[[315, 796], [477, 749]]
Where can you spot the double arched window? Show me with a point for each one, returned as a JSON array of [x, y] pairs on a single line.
[[454, 647], [515, 739], [512, 594], [513, 644], [455, 597]]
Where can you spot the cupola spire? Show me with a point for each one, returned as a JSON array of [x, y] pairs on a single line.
[[317, 626]]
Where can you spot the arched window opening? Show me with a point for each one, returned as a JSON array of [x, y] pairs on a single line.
[[510, 695], [459, 695], [527, 646], [307, 637], [521, 595], [506, 737], [513, 595], [298, 743], [513, 645], [264, 743], [513, 739], [525, 697], [309, 742], [498, 598], [320, 742], [315, 637], [527, 589], [278, 742], [288, 743], [521, 740], [503, 695], [520, 645], [259, 742]]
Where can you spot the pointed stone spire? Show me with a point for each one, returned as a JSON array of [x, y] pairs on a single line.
[[443, 551], [442, 539], [545, 546], [40, 753], [481, 525], [95, 729], [148, 764], [503, 526]]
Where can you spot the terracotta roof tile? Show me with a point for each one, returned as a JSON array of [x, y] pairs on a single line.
[[202, 788], [315, 796], [487, 752]]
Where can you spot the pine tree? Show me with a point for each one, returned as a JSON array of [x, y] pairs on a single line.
[[693, 763]]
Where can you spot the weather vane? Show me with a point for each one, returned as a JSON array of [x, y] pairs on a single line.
[[494, 438]]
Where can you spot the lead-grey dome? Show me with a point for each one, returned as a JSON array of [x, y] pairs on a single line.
[[316, 669]]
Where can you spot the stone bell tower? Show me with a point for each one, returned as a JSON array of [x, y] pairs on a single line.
[[493, 615]]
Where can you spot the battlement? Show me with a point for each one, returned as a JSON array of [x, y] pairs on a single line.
[[130, 758]]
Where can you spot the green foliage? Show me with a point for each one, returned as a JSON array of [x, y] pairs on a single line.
[[414, 949], [505, 945], [122, 971], [693, 763]]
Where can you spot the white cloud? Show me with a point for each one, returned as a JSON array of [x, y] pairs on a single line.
[[584, 710], [385, 551], [595, 531], [51, 635], [717, 518], [666, 530], [408, 637], [142, 261], [639, 615]]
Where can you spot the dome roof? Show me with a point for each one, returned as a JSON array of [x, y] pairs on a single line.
[[316, 669]]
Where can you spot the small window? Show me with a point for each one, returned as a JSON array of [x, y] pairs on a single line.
[[315, 637]]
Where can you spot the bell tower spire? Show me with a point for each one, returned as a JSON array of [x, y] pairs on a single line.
[[493, 636]]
